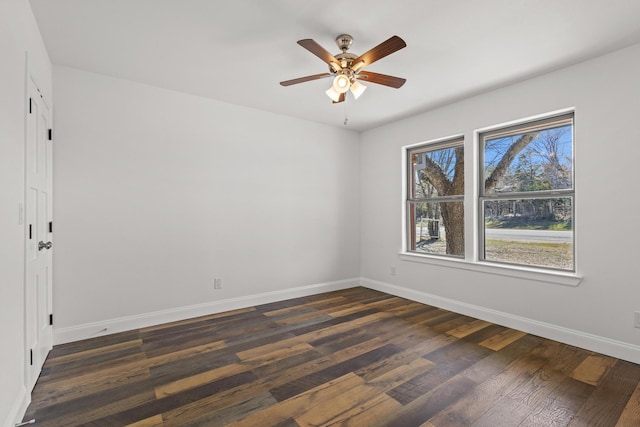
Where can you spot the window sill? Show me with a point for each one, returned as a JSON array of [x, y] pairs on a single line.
[[558, 278]]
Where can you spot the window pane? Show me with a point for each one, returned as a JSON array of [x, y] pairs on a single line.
[[535, 160], [434, 172], [437, 227], [535, 232]]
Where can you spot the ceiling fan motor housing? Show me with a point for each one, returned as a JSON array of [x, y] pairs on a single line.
[[344, 42]]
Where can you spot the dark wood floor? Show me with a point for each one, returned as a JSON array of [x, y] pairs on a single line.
[[350, 358]]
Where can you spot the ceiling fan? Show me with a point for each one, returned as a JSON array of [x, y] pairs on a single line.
[[347, 68]]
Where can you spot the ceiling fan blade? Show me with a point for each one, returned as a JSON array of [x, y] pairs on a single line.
[[385, 48], [381, 79], [341, 99], [304, 79], [320, 52]]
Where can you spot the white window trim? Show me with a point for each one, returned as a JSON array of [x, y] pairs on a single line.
[[471, 260], [547, 276]]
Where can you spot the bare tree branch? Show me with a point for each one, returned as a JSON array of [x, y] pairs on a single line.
[[503, 165], [436, 176]]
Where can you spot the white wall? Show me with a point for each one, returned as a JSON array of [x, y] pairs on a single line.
[[158, 192], [599, 311], [18, 35]]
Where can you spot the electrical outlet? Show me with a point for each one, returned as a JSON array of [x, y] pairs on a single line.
[[392, 270], [217, 283], [636, 319]]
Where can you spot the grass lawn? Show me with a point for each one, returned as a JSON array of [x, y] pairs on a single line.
[[552, 255]]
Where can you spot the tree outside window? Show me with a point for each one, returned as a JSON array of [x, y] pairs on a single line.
[[436, 194], [527, 194]]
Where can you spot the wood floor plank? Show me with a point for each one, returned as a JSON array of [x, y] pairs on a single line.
[[593, 369], [97, 363], [401, 374], [468, 328], [92, 343], [336, 301], [495, 363], [337, 370], [490, 388], [631, 411], [331, 410], [227, 370], [90, 407], [198, 320], [93, 382], [168, 403], [154, 421], [449, 361], [354, 357], [530, 399], [299, 404], [485, 333], [368, 413], [222, 416], [90, 353], [431, 402], [607, 402], [502, 339], [560, 405], [313, 335]]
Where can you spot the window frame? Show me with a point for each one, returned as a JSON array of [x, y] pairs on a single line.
[[410, 220], [541, 124]]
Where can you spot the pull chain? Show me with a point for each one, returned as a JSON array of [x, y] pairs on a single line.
[[346, 118]]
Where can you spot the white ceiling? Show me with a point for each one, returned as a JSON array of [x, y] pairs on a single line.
[[237, 51]]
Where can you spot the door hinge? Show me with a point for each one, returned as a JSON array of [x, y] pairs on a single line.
[[30, 231], [50, 226], [29, 105], [51, 319], [31, 357], [50, 134]]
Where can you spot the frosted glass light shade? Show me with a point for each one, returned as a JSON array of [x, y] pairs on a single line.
[[341, 83], [333, 94], [357, 89]]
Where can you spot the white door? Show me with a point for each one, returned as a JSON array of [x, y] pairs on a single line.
[[39, 232]]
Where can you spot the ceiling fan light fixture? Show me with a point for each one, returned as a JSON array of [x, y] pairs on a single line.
[[357, 89], [341, 83], [333, 94]]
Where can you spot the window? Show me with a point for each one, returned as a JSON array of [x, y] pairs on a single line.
[[524, 212], [526, 203], [435, 198]]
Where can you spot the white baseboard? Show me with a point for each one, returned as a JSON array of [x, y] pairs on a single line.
[[121, 324], [618, 349], [18, 408]]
